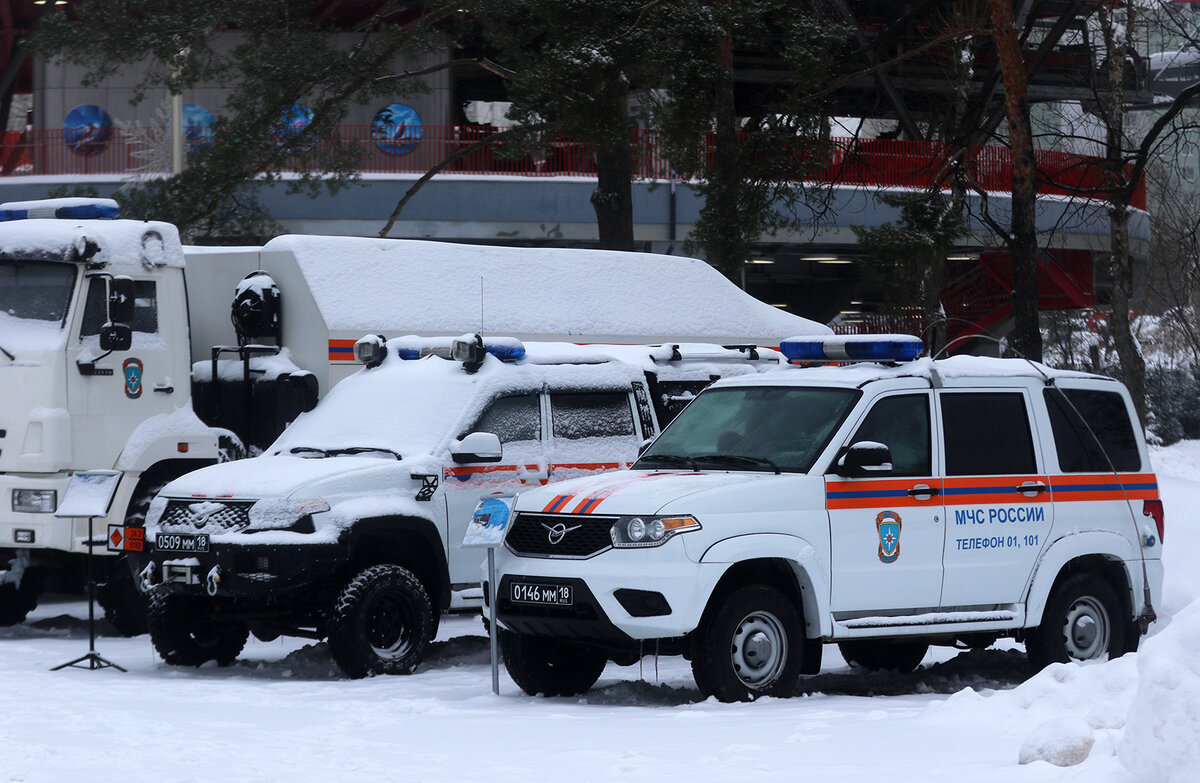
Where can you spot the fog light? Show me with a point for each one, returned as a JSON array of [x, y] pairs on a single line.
[[35, 501]]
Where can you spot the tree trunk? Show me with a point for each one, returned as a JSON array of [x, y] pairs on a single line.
[[1133, 365], [1027, 336], [613, 198]]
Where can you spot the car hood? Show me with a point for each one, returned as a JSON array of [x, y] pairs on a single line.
[[630, 491], [280, 476]]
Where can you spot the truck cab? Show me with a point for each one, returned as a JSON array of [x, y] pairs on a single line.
[[348, 526]]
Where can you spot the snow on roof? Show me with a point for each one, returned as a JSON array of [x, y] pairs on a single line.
[[121, 241], [426, 287], [948, 370]]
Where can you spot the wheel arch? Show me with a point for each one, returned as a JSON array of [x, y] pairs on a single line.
[[412, 542], [787, 563], [1106, 554]]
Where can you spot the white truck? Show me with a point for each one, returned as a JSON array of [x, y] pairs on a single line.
[[122, 348]]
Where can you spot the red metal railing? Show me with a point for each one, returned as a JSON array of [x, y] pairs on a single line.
[[867, 162]]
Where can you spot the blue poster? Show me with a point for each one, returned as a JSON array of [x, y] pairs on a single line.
[[293, 122], [87, 129], [397, 129], [198, 125], [490, 521]]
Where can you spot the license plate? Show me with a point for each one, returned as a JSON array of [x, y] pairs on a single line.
[[181, 542], [531, 593]]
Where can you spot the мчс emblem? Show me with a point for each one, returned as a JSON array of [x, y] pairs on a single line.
[[555, 533], [133, 377], [888, 525]]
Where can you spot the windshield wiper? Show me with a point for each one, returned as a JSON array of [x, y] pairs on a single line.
[[669, 459], [363, 450], [739, 460], [308, 450]]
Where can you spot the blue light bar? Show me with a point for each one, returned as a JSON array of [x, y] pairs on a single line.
[[506, 349], [64, 209], [854, 348]]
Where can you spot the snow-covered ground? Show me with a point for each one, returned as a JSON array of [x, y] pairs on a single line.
[[283, 713]]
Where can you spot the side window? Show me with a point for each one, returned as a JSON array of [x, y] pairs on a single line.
[[987, 434], [514, 418], [145, 307], [591, 414], [1104, 429], [902, 424]]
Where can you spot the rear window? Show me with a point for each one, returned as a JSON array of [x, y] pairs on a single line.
[[987, 434], [1092, 431]]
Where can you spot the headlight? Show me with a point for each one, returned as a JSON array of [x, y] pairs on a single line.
[[35, 501], [286, 514], [650, 531]]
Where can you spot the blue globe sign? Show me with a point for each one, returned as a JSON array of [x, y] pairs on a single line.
[[87, 129], [396, 129], [293, 122]]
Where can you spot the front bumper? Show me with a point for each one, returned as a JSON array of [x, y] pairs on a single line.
[[252, 572], [618, 596]]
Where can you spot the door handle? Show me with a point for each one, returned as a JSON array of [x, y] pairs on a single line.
[[923, 492], [165, 388], [524, 474], [1031, 488]]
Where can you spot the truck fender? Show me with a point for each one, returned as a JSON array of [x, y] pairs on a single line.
[[797, 552], [1072, 546], [369, 539], [158, 439]]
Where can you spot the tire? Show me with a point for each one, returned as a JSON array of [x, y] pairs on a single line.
[[879, 655], [751, 644], [381, 623], [184, 634], [125, 606], [17, 602], [551, 667], [1082, 621]]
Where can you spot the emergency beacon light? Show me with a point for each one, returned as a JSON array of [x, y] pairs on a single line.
[[853, 348]]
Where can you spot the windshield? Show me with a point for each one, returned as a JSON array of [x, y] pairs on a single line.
[[772, 428], [399, 409], [34, 297]]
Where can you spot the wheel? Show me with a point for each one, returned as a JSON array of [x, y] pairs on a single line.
[[751, 645], [125, 606], [17, 602], [381, 622], [185, 634], [881, 655], [551, 667], [1082, 622]]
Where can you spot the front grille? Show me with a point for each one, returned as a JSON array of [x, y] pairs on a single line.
[[559, 535], [206, 515]]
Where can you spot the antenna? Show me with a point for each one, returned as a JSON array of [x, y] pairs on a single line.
[[481, 304]]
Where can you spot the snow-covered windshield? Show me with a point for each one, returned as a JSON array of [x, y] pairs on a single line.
[[34, 297], [771, 428], [399, 409]]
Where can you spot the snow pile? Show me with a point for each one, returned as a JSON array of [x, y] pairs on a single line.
[[1064, 742], [1162, 736]]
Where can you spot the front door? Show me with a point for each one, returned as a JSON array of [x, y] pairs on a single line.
[[886, 533]]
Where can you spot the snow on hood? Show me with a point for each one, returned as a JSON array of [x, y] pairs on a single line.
[[530, 293], [627, 491], [261, 477], [125, 245]]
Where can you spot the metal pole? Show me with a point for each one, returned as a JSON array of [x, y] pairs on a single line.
[[493, 631], [176, 133], [91, 593]]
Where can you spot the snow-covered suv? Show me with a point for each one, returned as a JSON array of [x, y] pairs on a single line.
[[348, 526], [883, 507]]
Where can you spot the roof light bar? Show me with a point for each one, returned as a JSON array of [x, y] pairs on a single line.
[[853, 348], [506, 349], [61, 208]]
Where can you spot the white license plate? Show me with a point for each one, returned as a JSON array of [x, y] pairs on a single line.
[[181, 542], [546, 595]]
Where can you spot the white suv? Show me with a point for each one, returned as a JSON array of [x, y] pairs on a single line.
[[883, 507]]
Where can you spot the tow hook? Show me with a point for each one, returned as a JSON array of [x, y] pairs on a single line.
[[146, 578], [213, 580]]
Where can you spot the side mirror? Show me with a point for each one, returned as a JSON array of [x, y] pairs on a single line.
[[120, 301], [645, 445], [865, 458], [115, 337], [477, 447]]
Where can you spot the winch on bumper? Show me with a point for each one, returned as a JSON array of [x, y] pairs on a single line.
[[237, 570]]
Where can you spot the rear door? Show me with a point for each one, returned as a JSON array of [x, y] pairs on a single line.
[[997, 496]]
